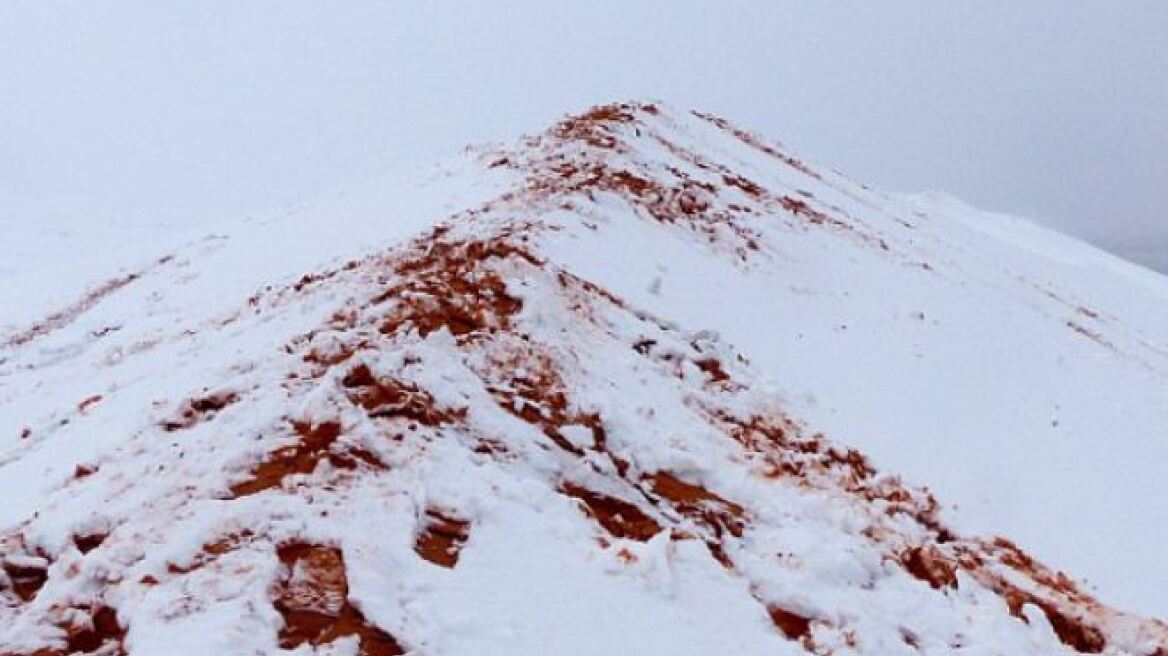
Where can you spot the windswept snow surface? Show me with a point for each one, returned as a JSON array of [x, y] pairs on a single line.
[[599, 407]]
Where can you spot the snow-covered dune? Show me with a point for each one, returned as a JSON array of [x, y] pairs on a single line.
[[644, 383]]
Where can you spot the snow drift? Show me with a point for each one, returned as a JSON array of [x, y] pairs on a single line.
[[617, 401]]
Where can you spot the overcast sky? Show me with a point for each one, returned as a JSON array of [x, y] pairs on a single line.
[[206, 111]]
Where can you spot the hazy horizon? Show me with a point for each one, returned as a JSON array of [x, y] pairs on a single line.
[[180, 114]]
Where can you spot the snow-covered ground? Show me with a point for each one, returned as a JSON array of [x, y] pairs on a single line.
[[1020, 375]]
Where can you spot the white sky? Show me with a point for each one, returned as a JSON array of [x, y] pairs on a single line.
[[206, 111]]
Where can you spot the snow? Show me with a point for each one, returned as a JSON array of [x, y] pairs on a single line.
[[966, 377], [1018, 374]]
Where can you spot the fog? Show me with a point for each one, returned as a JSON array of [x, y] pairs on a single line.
[[180, 114]]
